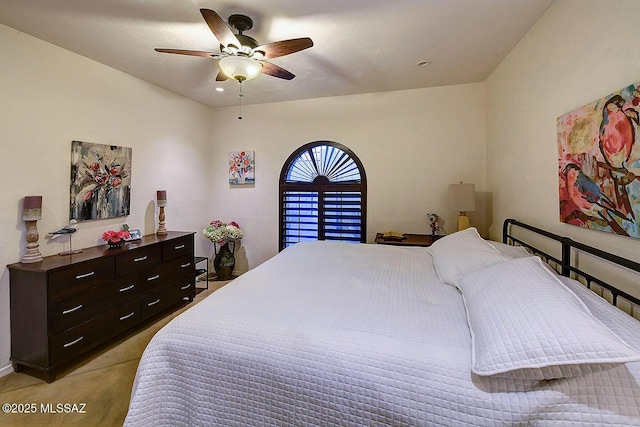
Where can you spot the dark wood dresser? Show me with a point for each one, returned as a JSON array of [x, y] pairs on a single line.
[[64, 306]]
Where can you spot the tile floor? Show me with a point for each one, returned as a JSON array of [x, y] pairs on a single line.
[[102, 383]]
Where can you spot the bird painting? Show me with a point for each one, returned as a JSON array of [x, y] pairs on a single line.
[[616, 139], [599, 163], [585, 192], [617, 131]]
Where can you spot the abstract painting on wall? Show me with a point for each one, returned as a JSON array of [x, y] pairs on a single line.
[[241, 167], [599, 164], [100, 181]]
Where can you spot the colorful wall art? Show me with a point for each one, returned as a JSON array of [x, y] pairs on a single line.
[[100, 181], [599, 164], [241, 167]]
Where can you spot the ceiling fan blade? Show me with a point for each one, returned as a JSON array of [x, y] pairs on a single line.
[[284, 47], [221, 76], [222, 32], [191, 53], [276, 71]]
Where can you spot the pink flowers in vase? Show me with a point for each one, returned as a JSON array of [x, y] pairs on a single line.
[[115, 236], [223, 233]]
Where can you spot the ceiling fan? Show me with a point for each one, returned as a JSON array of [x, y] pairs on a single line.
[[241, 57]]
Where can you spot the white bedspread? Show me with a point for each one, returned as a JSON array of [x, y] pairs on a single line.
[[332, 334]]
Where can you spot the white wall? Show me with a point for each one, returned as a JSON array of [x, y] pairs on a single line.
[[412, 144], [579, 51], [50, 97]]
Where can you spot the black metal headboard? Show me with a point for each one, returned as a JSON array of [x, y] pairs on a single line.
[[564, 264]]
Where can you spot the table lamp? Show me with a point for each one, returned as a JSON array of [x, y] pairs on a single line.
[[462, 198], [31, 213], [161, 197]]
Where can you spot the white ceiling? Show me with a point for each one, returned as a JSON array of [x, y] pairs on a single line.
[[360, 46]]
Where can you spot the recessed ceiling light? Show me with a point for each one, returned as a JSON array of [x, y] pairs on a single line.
[[423, 63], [219, 89]]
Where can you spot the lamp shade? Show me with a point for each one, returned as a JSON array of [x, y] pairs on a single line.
[[240, 68], [462, 197], [161, 197], [32, 208]]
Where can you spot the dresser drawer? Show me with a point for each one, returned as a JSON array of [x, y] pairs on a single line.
[[185, 287], [135, 260], [177, 247], [80, 277], [184, 266], [72, 311], [158, 300], [73, 342], [163, 274]]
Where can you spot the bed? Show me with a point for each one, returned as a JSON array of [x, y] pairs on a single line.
[[466, 332]]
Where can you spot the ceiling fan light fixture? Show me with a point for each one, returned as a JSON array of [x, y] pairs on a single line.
[[240, 68]]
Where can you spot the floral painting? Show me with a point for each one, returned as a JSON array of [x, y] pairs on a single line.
[[100, 181], [599, 163], [241, 167]]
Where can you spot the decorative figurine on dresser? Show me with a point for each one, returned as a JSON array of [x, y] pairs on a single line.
[[433, 223], [64, 306]]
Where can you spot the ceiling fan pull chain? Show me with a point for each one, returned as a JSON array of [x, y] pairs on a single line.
[[240, 95]]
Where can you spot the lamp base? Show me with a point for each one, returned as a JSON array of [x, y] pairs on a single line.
[[32, 255], [463, 221], [162, 230]]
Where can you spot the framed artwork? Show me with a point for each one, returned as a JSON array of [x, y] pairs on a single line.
[[599, 164], [241, 167], [100, 181], [134, 235]]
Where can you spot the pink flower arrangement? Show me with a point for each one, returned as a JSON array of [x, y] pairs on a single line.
[[115, 236]]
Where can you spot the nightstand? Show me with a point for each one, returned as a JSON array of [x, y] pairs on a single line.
[[409, 240], [199, 271]]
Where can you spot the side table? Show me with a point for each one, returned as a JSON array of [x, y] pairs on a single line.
[[409, 240], [197, 260]]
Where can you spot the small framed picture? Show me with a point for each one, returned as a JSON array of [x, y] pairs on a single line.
[[242, 167], [134, 235]]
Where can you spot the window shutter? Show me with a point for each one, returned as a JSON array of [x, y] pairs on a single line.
[[322, 195], [300, 217], [342, 216]]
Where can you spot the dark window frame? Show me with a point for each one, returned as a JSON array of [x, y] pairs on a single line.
[[324, 188]]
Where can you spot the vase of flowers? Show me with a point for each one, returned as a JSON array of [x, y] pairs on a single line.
[[223, 234], [115, 239]]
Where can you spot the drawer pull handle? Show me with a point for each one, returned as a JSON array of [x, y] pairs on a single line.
[[69, 344], [128, 288], [185, 265], [82, 276], [153, 303], [186, 286], [178, 247], [153, 277], [128, 315], [71, 310], [142, 258]]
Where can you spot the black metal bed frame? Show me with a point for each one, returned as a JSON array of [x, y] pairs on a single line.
[[564, 264]]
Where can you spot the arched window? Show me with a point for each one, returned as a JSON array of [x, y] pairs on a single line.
[[323, 195]]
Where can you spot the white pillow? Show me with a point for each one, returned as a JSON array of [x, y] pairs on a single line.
[[462, 252], [621, 323], [510, 251], [525, 324]]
